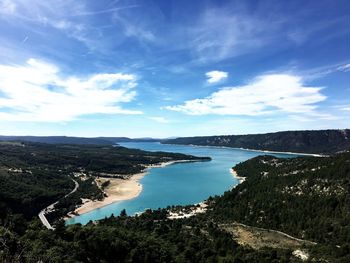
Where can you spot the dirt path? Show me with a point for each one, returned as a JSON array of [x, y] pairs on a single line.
[[257, 237]]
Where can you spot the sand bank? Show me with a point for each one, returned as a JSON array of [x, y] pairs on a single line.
[[118, 190]]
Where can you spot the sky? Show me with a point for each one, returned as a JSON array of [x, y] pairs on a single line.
[[162, 69]]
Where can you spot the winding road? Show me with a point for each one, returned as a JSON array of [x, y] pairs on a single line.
[[50, 208]]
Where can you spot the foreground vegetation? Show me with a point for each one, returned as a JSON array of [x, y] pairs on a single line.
[[305, 198]]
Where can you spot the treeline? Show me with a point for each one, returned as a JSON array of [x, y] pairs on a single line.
[[320, 141]]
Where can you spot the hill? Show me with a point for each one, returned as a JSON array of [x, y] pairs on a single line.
[[306, 197], [74, 140], [316, 142]]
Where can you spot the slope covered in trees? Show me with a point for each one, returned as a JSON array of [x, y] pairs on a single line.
[[56, 139], [74, 140], [320, 142], [305, 197]]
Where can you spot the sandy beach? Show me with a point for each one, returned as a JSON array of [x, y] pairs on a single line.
[[235, 175], [118, 190]]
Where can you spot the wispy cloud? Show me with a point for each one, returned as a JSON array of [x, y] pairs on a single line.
[[78, 23], [159, 119], [38, 16], [7, 7], [344, 68], [221, 34], [37, 92], [25, 39], [234, 29], [266, 94], [216, 76], [323, 71], [133, 28], [104, 11]]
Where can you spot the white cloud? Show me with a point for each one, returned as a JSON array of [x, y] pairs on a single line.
[[216, 76], [264, 95], [344, 68], [7, 7], [159, 119], [37, 92]]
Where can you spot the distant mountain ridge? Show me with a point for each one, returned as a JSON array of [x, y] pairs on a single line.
[[74, 140], [308, 141]]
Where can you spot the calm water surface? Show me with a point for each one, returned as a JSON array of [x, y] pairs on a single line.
[[178, 184]]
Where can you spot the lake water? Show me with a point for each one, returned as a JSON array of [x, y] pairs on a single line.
[[178, 184]]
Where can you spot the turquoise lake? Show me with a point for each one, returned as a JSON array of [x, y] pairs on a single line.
[[178, 184]]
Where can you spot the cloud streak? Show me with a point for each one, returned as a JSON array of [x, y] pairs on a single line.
[[159, 119], [104, 11], [37, 92], [266, 94], [220, 34], [344, 68]]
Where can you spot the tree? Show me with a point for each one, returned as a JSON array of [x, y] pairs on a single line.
[[123, 213]]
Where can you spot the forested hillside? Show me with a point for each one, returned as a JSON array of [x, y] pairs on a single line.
[[306, 197], [56, 139], [73, 140], [317, 142]]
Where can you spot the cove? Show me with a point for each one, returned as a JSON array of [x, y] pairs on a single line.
[[181, 183]]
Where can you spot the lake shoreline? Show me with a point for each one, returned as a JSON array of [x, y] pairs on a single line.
[[219, 166], [119, 190], [240, 179], [251, 150]]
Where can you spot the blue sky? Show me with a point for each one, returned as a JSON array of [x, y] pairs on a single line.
[[173, 68]]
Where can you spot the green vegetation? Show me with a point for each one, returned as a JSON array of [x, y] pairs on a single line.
[[34, 175], [307, 198], [28, 192], [72, 140], [147, 238], [321, 141], [88, 189], [58, 140]]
